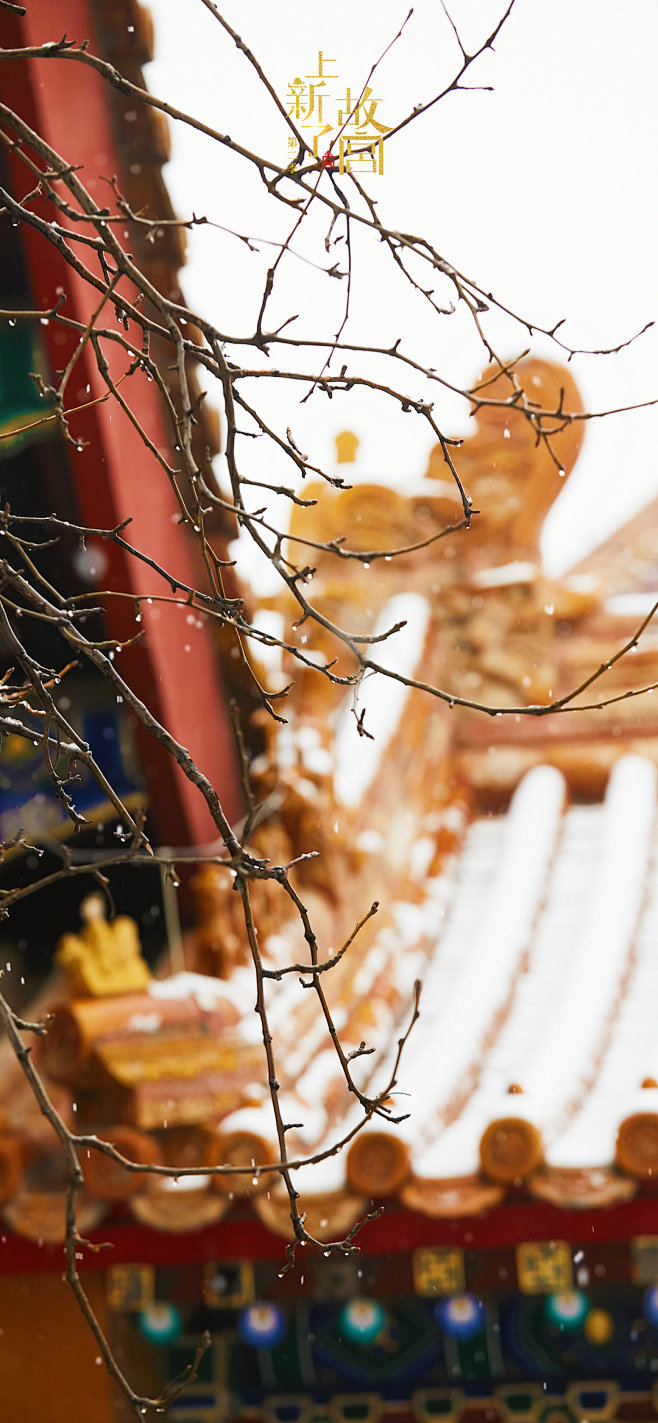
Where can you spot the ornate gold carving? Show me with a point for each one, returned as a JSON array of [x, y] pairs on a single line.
[[544, 1267], [129, 1287], [438, 1270], [104, 958]]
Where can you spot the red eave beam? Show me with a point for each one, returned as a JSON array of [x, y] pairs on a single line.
[[395, 1232]]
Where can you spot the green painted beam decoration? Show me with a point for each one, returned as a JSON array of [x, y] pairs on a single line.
[[22, 407]]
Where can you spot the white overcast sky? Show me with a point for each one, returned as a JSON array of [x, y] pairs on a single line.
[[544, 190]]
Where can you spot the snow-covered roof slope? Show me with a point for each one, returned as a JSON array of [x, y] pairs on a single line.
[[534, 1062], [537, 1028]]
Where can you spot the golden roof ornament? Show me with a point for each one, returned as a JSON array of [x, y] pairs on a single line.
[[218, 943], [347, 444], [104, 958]]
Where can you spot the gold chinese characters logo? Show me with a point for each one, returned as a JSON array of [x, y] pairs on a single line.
[[339, 124]]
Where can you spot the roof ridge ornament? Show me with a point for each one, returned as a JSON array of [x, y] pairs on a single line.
[[105, 957]]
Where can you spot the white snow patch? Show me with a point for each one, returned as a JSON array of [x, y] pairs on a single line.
[[286, 753], [370, 841], [504, 573], [452, 818], [357, 758], [409, 921], [457, 1011], [278, 949], [197, 1182], [318, 760], [563, 1061], [631, 605], [321, 1178], [257, 1120], [306, 788], [209, 993], [455, 1153], [144, 1022], [582, 583], [420, 856], [313, 1085], [306, 736], [272, 624]]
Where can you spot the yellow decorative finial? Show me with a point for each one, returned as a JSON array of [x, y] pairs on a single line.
[[347, 445], [103, 958]]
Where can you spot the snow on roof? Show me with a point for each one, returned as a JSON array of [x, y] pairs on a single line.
[[562, 1065], [498, 577], [459, 1006], [631, 605], [536, 947], [577, 1037], [356, 756], [544, 976], [207, 992]]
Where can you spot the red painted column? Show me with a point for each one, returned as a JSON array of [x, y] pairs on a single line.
[[175, 669]]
